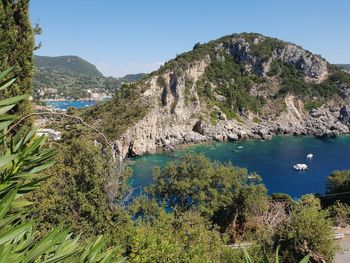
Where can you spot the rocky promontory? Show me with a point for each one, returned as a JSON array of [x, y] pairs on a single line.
[[242, 86]]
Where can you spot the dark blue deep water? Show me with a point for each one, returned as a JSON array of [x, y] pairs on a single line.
[[272, 160]]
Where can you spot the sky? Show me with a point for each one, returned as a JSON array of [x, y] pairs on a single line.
[[133, 36]]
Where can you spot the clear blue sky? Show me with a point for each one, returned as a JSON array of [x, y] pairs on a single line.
[[132, 36]]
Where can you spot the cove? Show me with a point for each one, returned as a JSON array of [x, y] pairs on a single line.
[[272, 160], [65, 104]]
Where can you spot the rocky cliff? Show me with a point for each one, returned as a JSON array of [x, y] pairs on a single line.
[[238, 87]]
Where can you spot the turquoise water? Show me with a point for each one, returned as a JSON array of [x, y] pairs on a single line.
[[273, 160], [65, 104]]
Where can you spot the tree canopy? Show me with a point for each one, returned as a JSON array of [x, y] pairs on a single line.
[[338, 182], [16, 48]]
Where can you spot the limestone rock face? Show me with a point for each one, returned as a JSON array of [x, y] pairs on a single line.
[[314, 67], [240, 51], [178, 115], [170, 120], [323, 122], [345, 115]]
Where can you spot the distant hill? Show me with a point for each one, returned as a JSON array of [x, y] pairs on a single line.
[[132, 77], [52, 84], [67, 64], [344, 66]]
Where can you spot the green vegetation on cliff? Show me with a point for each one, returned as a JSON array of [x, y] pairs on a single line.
[[116, 115], [293, 82], [240, 74], [229, 76]]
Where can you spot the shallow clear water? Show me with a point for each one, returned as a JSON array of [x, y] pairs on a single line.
[[65, 104], [272, 160]]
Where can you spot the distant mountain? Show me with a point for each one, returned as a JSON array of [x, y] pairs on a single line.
[[67, 64], [344, 66], [132, 77]]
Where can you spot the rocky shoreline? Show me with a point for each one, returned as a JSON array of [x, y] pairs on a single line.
[[320, 123]]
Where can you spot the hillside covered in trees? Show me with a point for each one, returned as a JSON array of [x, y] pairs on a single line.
[[237, 87], [345, 66], [71, 77], [71, 64]]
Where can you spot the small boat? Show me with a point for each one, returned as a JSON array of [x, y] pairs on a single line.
[[300, 167], [309, 156], [240, 147]]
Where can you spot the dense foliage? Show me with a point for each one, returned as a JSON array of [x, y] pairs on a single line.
[[306, 231], [230, 81], [338, 182], [293, 82], [67, 64], [264, 49], [340, 214], [194, 210], [216, 190], [116, 115], [22, 162], [186, 237], [133, 77], [53, 84], [81, 190], [16, 48]]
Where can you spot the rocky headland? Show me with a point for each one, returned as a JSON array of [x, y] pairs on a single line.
[[242, 86]]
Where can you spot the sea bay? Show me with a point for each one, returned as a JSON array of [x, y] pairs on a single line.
[[272, 160]]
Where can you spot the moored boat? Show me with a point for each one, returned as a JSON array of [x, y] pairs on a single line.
[[300, 167]]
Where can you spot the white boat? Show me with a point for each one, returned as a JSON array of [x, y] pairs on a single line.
[[309, 156], [240, 147], [300, 167]]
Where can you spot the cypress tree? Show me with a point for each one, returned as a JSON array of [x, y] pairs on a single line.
[[16, 48]]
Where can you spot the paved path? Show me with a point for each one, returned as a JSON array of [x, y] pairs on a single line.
[[345, 244]]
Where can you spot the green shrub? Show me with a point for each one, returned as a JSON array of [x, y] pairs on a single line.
[[116, 115], [264, 49], [313, 104], [306, 231], [23, 161], [338, 182], [340, 214]]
